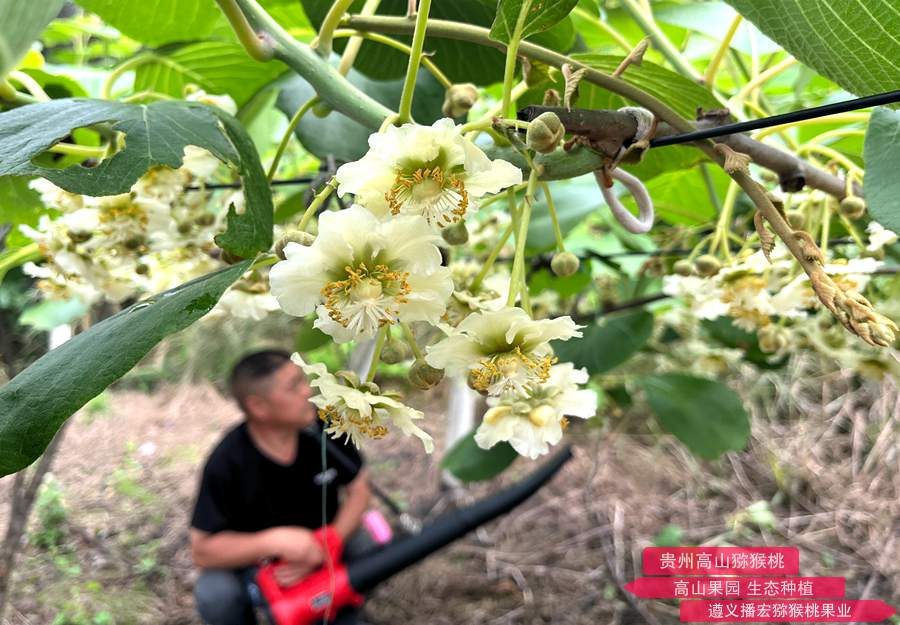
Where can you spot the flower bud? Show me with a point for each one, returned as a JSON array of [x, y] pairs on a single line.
[[456, 234], [297, 236], [564, 264], [796, 218], [459, 99], [206, 219], [707, 265], [394, 351], [321, 109], [81, 237], [544, 133], [853, 207], [424, 376], [654, 267], [772, 339], [683, 267]]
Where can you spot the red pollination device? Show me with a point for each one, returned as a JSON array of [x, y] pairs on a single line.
[[331, 588]]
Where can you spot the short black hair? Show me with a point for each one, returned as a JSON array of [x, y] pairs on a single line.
[[252, 371]]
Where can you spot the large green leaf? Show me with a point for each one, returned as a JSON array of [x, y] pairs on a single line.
[[679, 93], [344, 138], [855, 43], [705, 415], [882, 151], [470, 463], [608, 344], [217, 67], [461, 61], [681, 196], [156, 22], [542, 14], [155, 134], [35, 403], [22, 23]]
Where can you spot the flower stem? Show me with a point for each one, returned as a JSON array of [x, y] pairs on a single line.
[[415, 57], [521, 235], [353, 46], [264, 261], [826, 224], [723, 225], [33, 87], [320, 198], [427, 63], [84, 151], [411, 339], [758, 80], [476, 283], [710, 76], [121, 70], [322, 43], [512, 48], [255, 46], [376, 353], [282, 146], [8, 260], [557, 232]]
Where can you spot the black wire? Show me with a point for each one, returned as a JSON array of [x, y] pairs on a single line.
[[775, 120]]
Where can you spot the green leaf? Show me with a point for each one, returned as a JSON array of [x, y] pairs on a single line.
[[470, 463], [217, 67], [705, 415], [19, 205], [679, 93], [882, 152], [681, 196], [309, 338], [723, 330], [51, 313], [57, 85], [669, 536], [852, 42], [608, 344], [156, 22], [35, 403], [23, 23], [542, 14], [155, 134]]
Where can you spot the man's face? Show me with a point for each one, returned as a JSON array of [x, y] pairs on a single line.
[[287, 401]]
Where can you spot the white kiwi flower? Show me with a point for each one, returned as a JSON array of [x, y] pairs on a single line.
[[532, 424], [359, 411], [361, 274], [432, 171], [502, 351]]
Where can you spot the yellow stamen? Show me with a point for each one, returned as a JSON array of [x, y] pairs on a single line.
[[339, 292], [507, 365], [404, 185], [350, 421]]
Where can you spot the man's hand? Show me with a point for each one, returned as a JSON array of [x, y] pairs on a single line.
[[289, 573], [295, 545]]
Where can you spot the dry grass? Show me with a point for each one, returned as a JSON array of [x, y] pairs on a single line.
[[824, 454]]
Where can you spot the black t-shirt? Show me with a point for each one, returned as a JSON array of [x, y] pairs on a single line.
[[244, 490]]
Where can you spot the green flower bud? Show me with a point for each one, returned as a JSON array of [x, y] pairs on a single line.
[[544, 133], [297, 236], [184, 227], [683, 267], [772, 339], [321, 109], [853, 207], [81, 237], [141, 269], [796, 218], [394, 351], [424, 376], [707, 265], [456, 234], [564, 264], [206, 219], [458, 99]]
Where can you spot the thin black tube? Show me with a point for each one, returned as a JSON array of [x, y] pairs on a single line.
[[795, 116], [369, 571]]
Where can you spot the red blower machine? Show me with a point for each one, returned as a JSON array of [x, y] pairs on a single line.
[[329, 589]]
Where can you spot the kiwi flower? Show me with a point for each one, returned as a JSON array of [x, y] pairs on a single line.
[[432, 171]]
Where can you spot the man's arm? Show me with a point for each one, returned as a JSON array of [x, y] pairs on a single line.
[[228, 549], [356, 500]]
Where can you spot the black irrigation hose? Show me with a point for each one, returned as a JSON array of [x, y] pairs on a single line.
[[795, 116]]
